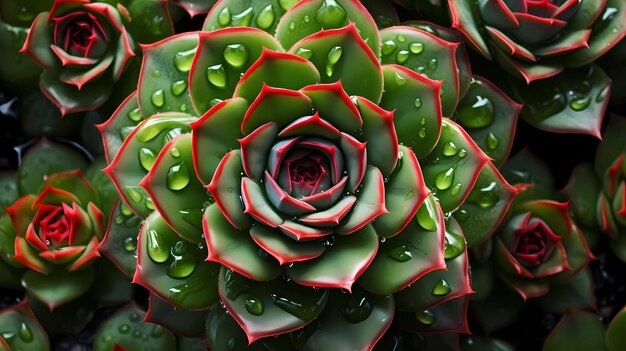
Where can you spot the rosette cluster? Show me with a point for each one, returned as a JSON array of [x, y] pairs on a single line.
[[300, 179], [83, 48]]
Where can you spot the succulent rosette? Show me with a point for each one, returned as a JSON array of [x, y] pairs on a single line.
[[83, 48], [597, 190], [538, 252], [539, 39], [301, 180]]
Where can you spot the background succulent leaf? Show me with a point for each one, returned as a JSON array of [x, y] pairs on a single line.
[[58, 288], [21, 328], [576, 329], [179, 321]]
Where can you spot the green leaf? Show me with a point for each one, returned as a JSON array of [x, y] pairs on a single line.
[[342, 55], [349, 322], [173, 268], [482, 343], [311, 17], [572, 102], [138, 154], [127, 329], [576, 293], [425, 54], [43, 159], [489, 116], [20, 329], [403, 259], [452, 168], [582, 190], [449, 316], [500, 308], [263, 14], [57, 288], [526, 168], [384, 13], [222, 57], [415, 100], [117, 128], [69, 99], [175, 191], [485, 206], [67, 319], [613, 145], [269, 308], [616, 332], [8, 190], [577, 330], [164, 75], [112, 286], [150, 20], [120, 241], [180, 321]]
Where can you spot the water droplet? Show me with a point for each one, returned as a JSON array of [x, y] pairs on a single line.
[[236, 55], [456, 189], [492, 141], [416, 48], [425, 317], [580, 104], [254, 305], [243, 19], [422, 133], [134, 193], [602, 94], [157, 331], [178, 176], [157, 248], [400, 80], [307, 19], [146, 158], [292, 25], [184, 59], [134, 317], [304, 53], [149, 204], [441, 288], [486, 196], [223, 18], [156, 74], [450, 149], [287, 4], [183, 265], [454, 246], [25, 333], [418, 104], [124, 328], [462, 153], [330, 14], [388, 47], [461, 215], [265, 19], [477, 114], [232, 342], [175, 152], [357, 308], [400, 253], [125, 210], [130, 244], [216, 75], [192, 216], [427, 216], [409, 196], [158, 98], [402, 56], [444, 179], [179, 87], [401, 38], [333, 57], [135, 115], [432, 65]]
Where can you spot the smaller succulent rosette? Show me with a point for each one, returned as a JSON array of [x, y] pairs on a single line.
[[598, 191], [83, 48], [55, 235], [539, 39]]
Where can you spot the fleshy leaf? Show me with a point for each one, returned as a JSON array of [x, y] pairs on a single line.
[[490, 117], [572, 102], [341, 54], [175, 191], [447, 317], [416, 105], [164, 75], [120, 241], [234, 13], [485, 206], [226, 189], [354, 321], [615, 337], [57, 288], [21, 330], [451, 170], [117, 128], [172, 267], [577, 293], [138, 154], [426, 54], [182, 322], [404, 258], [582, 190], [269, 308], [576, 330], [222, 57], [309, 17]]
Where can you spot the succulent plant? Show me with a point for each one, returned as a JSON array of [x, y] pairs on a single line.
[[308, 178], [52, 227], [83, 48], [597, 190]]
